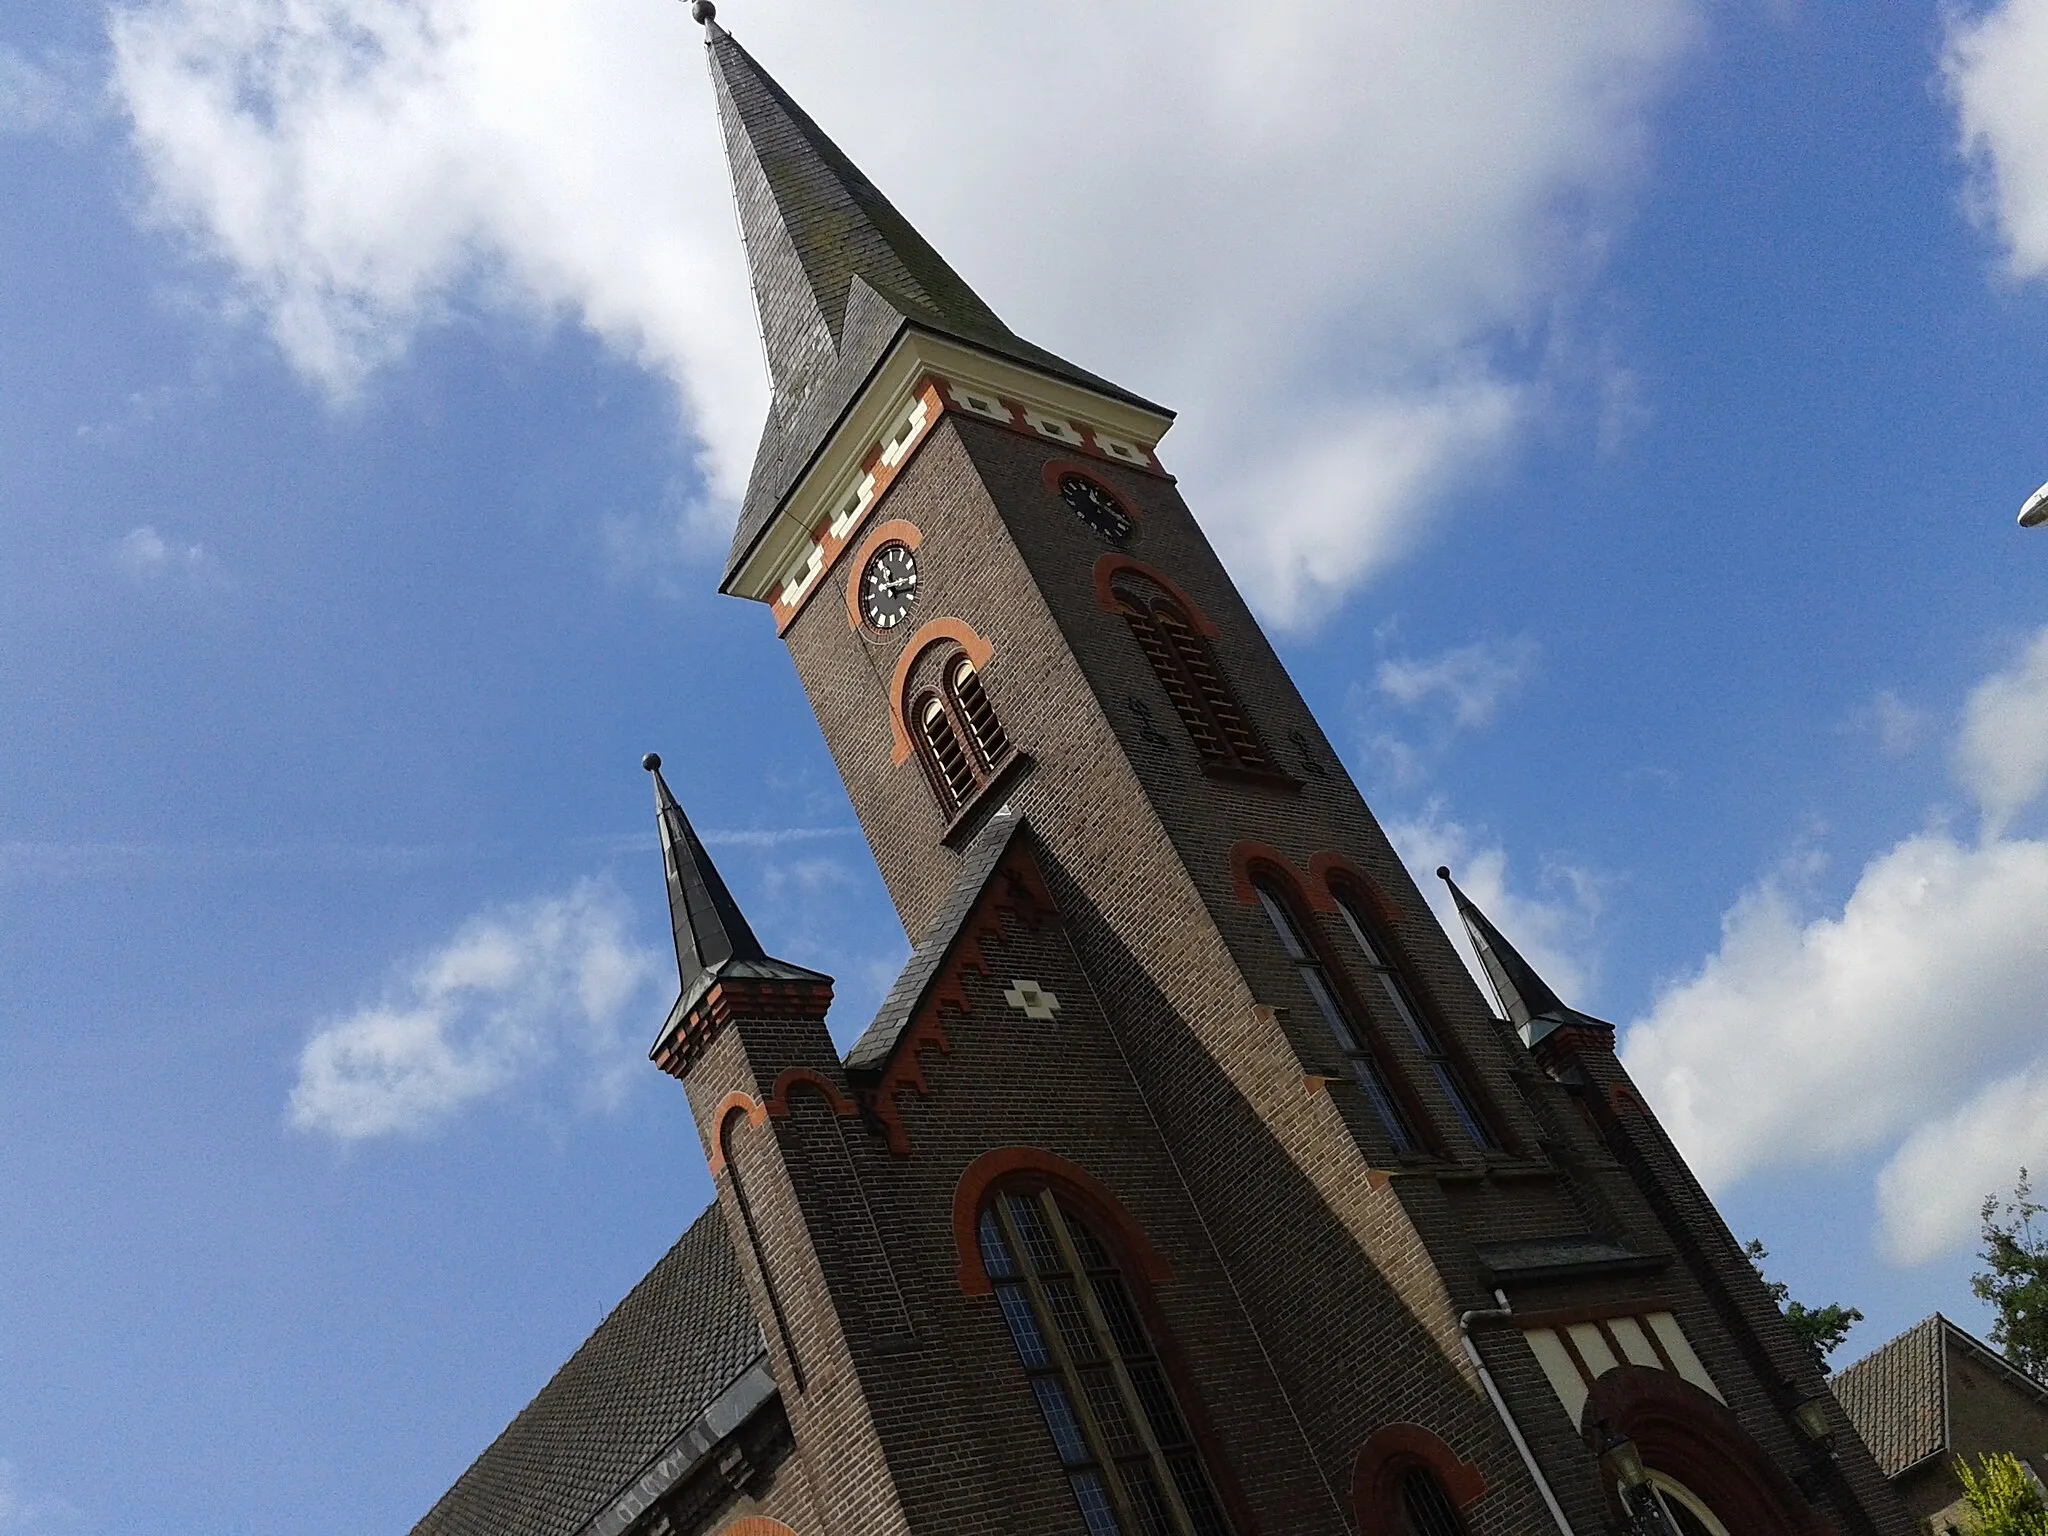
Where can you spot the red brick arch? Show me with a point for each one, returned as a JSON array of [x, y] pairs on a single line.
[[756, 1525], [938, 631], [895, 531], [1347, 872], [734, 1103], [1688, 1436], [1248, 859], [1386, 1458], [1106, 570], [794, 1078], [1125, 1236]]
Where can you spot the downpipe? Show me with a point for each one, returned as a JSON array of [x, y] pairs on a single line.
[[1500, 1406]]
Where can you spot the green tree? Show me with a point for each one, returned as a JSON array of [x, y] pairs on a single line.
[[2004, 1499], [1820, 1330], [2015, 1278]]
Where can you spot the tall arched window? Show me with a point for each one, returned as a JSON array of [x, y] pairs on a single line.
[[1105, 1398], [1425, 1506], [1194, 684], [1365, 1066], [1449, 1076], [959, 735]]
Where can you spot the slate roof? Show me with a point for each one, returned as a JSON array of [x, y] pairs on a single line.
[[680, 1337], [871, 1052], [838, 275], [1896, 1396]]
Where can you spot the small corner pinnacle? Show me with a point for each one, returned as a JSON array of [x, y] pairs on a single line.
[[651, 762]]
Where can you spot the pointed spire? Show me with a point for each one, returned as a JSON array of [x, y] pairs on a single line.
[[1524, 996], [710, 929], [812, 222]]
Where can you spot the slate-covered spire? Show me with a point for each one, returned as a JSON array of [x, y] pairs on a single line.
[[1524, 996], [710, 928], [811, 222]]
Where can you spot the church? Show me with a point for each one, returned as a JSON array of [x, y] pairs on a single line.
[[1186, 1183]]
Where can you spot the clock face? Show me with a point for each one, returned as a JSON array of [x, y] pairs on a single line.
[[888, 586], [1096, 507]]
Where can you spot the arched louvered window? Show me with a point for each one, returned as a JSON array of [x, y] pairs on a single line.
[[959, 734], [946, 761], [1113, 1416], [1194, 683], [1449, 1076], [1365, 1066], [991, 746], [1426, 1507]]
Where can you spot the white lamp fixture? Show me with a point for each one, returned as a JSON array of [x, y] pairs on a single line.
[[2035, 512]]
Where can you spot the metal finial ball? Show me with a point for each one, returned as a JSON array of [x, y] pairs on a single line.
[[703, 11], [651, 762], [1443, 871]]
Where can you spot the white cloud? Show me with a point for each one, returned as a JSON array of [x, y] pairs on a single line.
[[1319, 233], [1552, 930], [515, 990], [24, 1515], [2002, 752], [146, 555], [1930, 1194], [1912, 1015], [1473, 680], [40, 97], [1993, 65], [1804, 1038]]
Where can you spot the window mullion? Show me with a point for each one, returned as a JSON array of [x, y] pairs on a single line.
[[1063, 1362], [1162, 1473]]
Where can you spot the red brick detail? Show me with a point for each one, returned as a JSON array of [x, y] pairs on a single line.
[[935, 407], [743, 998], [1015, 888], [894, 531], [1105, 573], [804, 1077], [1057, 470], [1107, 1215], [1686, 1435], [1248, 859], [1326, 864], [937, 632], [757, 1525], [1385, 1459], [734, 1103]]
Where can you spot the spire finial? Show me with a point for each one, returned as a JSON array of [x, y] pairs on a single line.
[[703, 12]]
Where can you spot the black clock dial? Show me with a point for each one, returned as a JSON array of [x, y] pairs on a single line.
[[889, 586], [1096, 507]]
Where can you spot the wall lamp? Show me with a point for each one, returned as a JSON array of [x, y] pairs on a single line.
[[1814, 1422]]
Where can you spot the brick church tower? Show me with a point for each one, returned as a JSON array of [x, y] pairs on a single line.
[[1186, 1184]]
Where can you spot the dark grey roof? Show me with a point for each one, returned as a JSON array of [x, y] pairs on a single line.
[[838, 274], [1895, 1397], [871, 1052], [1530, 1004], [680, 1337]]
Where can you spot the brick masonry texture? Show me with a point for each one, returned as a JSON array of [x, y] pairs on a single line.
[[1317, 1275]]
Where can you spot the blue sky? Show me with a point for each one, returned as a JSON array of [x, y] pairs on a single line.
[[1619, 413]]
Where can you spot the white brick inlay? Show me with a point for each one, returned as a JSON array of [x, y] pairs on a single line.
[[981, 405], [1679, 1348], [1565, 1381], [1052, 426], [1632, 1335], [1032, 1000], [1635, 1344]]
